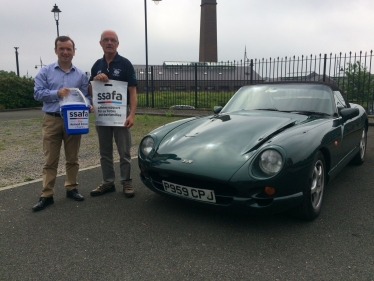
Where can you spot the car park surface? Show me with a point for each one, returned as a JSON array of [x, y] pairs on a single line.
[[151, 237]]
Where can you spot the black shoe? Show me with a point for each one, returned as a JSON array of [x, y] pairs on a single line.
[[43, 202], [74, 194]]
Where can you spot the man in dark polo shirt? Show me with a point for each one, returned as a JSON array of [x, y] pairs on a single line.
[[112, 66]]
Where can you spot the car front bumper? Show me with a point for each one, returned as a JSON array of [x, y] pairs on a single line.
[[249, 205]]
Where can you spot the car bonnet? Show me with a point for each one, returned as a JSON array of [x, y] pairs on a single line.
[[225, 141]]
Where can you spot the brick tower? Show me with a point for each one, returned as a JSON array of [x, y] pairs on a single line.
[[208, 31]]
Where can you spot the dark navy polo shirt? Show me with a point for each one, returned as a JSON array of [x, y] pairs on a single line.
[[119, 69]]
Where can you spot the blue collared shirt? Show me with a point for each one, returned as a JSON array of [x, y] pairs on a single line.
[[51, 78]]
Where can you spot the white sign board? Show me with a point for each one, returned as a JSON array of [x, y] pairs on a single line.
[[109, 102]]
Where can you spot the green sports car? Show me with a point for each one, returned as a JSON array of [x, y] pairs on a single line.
[[273, 147]]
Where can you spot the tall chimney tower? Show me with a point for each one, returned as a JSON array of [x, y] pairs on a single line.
[[208, 31]]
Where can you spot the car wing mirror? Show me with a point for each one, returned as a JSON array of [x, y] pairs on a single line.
[[349, 113], [217, 109]]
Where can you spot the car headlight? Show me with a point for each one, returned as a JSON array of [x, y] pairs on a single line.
[[270, 162], [147, 145]]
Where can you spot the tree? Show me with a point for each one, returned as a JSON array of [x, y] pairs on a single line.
[[16, 92], [6, 74], [359, 84]]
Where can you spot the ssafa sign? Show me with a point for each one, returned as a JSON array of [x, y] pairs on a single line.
[[109, 102]]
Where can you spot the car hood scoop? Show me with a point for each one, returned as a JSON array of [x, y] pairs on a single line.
[[220, 144]]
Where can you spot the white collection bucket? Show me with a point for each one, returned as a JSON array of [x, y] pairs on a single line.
[[76, 115]]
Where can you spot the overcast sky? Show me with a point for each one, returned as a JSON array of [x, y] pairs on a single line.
[[268, 28]]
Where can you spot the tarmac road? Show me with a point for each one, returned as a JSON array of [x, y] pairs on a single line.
[[6, 115], [151, 237]]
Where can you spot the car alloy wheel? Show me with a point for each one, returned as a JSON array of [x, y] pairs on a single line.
[[360, 156], [318, 183], [313, 190], [363, 144]]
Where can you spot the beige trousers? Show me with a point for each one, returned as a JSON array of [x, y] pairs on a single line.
[[53, 135]]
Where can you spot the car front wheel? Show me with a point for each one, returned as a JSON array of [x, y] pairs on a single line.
[[311, 205], [360, 156]]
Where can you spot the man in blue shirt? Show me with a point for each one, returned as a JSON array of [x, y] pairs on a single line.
[[112, 66], [52, 83]]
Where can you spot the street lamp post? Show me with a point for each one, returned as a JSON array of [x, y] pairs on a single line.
[[56, 12], [41, 64], [146, 47], [17, 60]]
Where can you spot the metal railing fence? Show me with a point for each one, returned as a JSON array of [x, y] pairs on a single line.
[[204, 85]]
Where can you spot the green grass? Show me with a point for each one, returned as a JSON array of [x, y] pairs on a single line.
[[205, 100], [143, 125], [22, 148], [146, 123], [31, 133]]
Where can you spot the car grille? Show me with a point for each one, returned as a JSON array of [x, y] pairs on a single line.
[[223, 192]]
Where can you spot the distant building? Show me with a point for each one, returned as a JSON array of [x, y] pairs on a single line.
[[309, 76], [190, 76]]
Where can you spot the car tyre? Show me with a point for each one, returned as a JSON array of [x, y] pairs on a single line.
[[359, 158], [313, 191]]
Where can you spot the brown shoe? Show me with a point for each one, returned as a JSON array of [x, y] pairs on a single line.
[[128, 190], [102, 189]]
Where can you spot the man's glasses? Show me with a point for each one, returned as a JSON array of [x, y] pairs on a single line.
[[106, 40]]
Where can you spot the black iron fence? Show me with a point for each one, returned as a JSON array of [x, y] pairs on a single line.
[[204, 85]]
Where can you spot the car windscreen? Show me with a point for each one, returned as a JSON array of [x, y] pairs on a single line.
[[287, 97]]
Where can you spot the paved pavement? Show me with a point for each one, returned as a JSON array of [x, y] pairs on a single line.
[[151, 237]]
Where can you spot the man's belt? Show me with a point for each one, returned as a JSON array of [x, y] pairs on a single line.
[[55, 114]]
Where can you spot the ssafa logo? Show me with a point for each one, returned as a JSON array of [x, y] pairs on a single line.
[[110, 98], [77, 121], [81, 114]]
